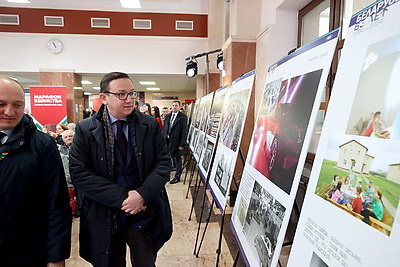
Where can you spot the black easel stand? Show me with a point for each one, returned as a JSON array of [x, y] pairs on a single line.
[[186, 161], [297, 210], [236, 258], [196, 192], [204, 231], [191, 175], [223, 215], [189, 167], [202, 210]]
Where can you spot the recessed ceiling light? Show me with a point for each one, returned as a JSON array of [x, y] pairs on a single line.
[[147, 83], [77, 87], [96, 87], [87, 93], [86, 82], [130, 3], [19, 1], [153, 89]]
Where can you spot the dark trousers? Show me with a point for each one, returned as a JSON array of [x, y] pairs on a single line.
[[139, 245], [177, 160]]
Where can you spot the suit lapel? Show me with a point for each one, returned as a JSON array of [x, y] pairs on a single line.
[[175, 120]]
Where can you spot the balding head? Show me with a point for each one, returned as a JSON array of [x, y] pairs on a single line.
[[68, 137], [12, 103]]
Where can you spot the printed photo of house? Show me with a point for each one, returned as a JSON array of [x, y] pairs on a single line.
[[353, 157]]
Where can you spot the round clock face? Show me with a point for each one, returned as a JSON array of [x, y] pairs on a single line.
[[55, 46]]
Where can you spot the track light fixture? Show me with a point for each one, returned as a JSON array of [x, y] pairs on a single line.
[[220, 61], [191, 68]]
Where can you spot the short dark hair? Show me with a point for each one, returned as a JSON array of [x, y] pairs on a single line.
[[165, 108], [109, 77], [176, 101]]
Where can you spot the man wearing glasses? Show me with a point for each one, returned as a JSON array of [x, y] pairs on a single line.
[[120, 163]]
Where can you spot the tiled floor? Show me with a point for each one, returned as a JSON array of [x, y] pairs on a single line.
[[179, 250]]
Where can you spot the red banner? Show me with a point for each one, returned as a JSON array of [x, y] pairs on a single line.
[[49, 104]]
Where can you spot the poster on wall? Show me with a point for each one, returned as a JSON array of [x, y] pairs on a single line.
[[278, 148], [202, 118], [48, 104], [230, 136], [211, 131], [350, 214]]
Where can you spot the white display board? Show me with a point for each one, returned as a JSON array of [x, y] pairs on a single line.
[[194, 126], [278, 148], [202, 118], [211, 131], [230, 136], [333, 229]]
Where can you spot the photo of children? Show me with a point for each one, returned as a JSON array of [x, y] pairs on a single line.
[[361, 176]]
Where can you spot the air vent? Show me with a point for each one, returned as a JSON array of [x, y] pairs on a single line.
[[182, 25], [51, 21], [144, 24], [7, 19], [100, 22]]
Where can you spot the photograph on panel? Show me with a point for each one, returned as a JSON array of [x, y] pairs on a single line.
[[233, 119], [361, 176], [262, 224], [376, 109], [224, 170], [207, 155], [215, 116], [200, 144], [281, 127]]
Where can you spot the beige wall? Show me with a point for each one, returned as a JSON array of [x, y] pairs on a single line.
[[181, 97]]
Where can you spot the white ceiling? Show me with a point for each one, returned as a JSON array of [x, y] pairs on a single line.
[[166, 82]]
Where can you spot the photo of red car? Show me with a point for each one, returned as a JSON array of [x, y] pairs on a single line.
[[281, 126]]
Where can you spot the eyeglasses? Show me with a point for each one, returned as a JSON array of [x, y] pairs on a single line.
[[123, 96]]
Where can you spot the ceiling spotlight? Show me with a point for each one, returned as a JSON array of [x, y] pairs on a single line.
[[220, 61], [191, 68]]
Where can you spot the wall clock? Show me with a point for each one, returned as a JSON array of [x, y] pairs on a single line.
[[55, 46]]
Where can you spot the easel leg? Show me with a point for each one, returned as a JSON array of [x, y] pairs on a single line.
[[220, 239], [205, 228]]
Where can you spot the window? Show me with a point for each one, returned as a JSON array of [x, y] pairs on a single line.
[[316, 19]]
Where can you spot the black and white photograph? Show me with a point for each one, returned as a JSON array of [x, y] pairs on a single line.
[[224, 165], [263, 223], [207, 155]]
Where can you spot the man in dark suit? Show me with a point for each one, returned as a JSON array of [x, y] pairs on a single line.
[[35, 215], [120, 163], [175, 132]]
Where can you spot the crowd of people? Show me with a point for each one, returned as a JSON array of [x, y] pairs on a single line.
[[117, 160], [349, 191]]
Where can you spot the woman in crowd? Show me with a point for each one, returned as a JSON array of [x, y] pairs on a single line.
[[155, 112], [337, 196], [146, 108]]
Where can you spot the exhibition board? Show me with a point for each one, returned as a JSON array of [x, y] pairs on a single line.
[[231, 131], [192, 127], [354, 219], [290, 101], [203, 113], [211, 130]]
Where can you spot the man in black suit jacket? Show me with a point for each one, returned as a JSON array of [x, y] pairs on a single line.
[[120, 163], [175, 132]]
